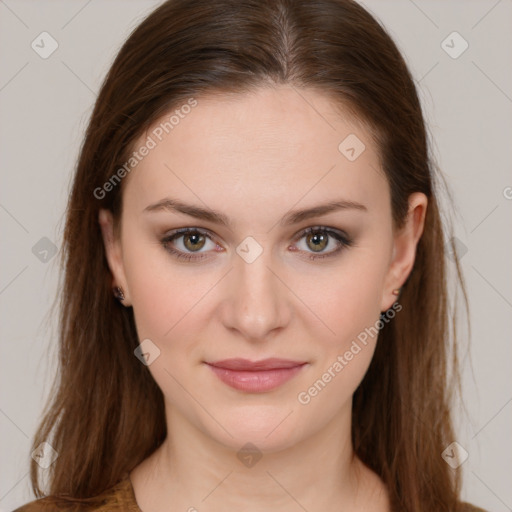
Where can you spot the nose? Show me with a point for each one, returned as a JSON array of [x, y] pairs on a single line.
[[256, 303]]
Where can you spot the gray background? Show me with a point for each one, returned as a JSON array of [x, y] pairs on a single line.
[[44, 108]]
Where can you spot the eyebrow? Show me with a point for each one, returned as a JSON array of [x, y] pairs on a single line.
[[293, 217]]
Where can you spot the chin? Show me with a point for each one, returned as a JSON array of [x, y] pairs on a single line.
[[269, 428]]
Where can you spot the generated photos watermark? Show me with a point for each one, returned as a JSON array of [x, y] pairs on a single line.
[[357, 345], [157, 135]]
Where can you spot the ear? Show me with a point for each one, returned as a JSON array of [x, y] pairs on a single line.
[[404, 248], [113, 252]]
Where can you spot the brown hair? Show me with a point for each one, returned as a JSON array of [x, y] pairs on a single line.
[[106, 414]]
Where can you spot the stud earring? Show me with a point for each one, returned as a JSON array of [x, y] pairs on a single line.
[[118, 293], [396, 291]]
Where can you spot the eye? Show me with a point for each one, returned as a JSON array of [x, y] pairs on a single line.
[[194, 240], [319, 237]]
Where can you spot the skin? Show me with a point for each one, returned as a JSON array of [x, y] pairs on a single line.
[[254, 157]]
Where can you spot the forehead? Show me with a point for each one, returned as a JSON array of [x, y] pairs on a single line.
[[273, 146]]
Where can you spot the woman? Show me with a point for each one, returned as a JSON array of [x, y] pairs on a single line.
[[299, 359]]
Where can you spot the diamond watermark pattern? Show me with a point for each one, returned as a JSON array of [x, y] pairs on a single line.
[[147, 352], [351, 147], [44, 45], [45, 455], [454, 45], [455, 455], [460, 249], [44, 250], [249, 249], [249, 455]]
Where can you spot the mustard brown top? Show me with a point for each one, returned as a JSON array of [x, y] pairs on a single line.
[[120, 497]]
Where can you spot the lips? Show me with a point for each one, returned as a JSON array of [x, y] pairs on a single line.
[[240, 364], [255, 376]]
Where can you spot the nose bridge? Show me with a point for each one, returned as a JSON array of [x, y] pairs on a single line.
[[258, 304]]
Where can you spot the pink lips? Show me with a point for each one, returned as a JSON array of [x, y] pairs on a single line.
[[255, 376]]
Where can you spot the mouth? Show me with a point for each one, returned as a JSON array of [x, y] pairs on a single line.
[[256, 376]]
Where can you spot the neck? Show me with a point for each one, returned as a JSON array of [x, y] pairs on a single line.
[[190, 470]]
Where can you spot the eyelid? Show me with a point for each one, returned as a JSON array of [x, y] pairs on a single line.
[[319, 227], [175, 234], [297, 236]]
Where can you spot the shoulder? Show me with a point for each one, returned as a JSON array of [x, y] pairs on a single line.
[[43, 504], [467, 507], [118, 498]]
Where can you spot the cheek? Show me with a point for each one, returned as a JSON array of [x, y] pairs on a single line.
[[345, 299], [344, 352], [349, 307], [152, 294], [168, 299]]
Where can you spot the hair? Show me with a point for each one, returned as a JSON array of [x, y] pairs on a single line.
[[106, 413]]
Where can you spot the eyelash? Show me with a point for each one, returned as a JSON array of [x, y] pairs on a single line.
[[344, 242]]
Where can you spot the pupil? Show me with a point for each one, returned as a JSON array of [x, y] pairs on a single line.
[[193, 240], [318, 240]]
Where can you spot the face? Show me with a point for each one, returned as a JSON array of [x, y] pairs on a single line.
[[264, 283]]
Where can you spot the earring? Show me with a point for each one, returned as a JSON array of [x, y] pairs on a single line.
[[118, 293], [397, 291]]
